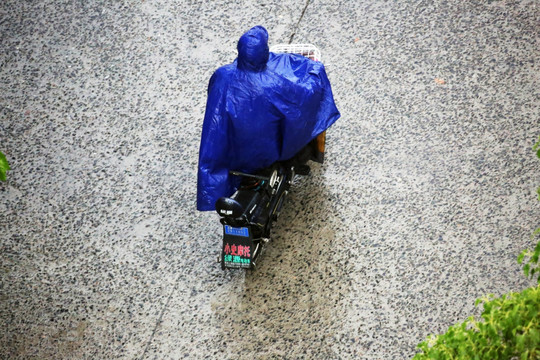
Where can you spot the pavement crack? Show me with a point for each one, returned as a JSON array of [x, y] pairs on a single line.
[[158, 322], [299, 20]]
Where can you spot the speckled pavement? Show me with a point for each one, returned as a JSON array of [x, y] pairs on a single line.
[[426, 197]]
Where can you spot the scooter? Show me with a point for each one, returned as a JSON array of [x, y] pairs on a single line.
[[249, 214]]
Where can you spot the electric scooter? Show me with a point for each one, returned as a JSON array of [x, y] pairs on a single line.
[[249, 214]]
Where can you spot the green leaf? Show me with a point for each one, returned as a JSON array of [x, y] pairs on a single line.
[[535, 336], [526, 269], [4, 166], [520, 342], [521, 256]]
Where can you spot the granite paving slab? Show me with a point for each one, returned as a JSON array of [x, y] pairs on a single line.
[[100, 114], [440, 108], [426, 197]]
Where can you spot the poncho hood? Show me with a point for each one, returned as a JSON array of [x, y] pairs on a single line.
[[253, 49]]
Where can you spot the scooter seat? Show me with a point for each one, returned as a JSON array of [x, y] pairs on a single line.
[[242, 202]]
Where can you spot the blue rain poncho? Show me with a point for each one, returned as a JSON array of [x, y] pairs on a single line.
[[262, 108]]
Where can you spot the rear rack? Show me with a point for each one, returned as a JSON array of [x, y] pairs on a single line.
[[308, 50]]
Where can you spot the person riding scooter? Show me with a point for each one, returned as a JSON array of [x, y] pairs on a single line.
[[262, 108]]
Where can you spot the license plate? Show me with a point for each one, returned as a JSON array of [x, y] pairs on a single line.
[[237, 247]]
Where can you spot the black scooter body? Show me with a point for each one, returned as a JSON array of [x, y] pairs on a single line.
[[248, 215]]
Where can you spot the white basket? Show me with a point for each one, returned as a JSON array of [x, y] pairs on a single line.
[[308, 50]]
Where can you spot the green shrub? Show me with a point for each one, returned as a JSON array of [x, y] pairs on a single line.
[[509, 327], [531, 266], [4, 166]]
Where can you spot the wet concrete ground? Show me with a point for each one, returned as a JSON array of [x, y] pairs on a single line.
[[425, 200]]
